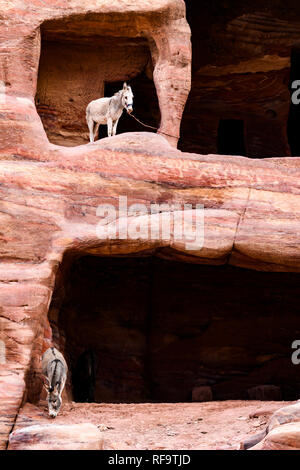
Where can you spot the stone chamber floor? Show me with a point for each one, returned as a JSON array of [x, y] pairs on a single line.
[[218, 425]]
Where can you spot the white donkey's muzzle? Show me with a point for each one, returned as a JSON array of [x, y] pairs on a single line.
[[129, 108]]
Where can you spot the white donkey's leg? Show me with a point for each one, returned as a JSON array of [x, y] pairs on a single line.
[[115, 124], [109, 127], [90, 124], [96, 131]]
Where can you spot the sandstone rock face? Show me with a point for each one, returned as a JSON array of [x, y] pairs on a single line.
[[50, 195], [286, 437], [150, 39], [49, 208], [84, 46], [82, 436], [281, 431]]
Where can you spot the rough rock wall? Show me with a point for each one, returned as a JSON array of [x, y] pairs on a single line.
[[49, 194], [48, 206], [241, 71], [30, 248]]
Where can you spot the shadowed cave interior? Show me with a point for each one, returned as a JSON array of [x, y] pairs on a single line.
[[146, 329], [231, 137], [75, 70]]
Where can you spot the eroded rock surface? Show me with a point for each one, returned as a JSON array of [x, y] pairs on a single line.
[[285, 437], [148, 39], [50, 193], [53, 436], [281, 431], [245, 58]]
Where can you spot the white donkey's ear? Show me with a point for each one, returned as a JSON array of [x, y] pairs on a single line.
[[124, 86]]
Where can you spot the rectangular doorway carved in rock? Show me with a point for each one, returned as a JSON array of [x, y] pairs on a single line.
[[73, 72]]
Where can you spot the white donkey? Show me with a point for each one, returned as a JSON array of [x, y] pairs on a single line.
[[108, 111], [55, 369]]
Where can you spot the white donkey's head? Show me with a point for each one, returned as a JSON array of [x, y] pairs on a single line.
[[127, 98], [54, 399]]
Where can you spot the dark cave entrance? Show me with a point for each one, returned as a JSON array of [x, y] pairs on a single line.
[[294, 115], [75, 70], [145, 105], [231, 137], [146, 329]]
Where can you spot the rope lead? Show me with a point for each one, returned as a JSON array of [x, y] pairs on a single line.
[[151, 127]]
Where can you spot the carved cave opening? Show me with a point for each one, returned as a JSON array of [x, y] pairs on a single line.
[[143, 329], [75, 70]]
